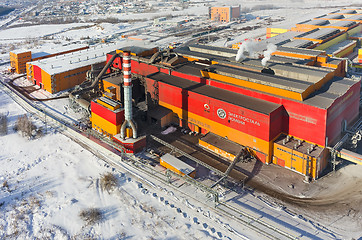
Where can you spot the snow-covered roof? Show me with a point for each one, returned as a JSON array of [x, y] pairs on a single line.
[[322, 33], [342, 24], [298, 43], [62, 63], [282, 38], [44, 51], [346, 11], [177, 163], [17, 51], [57, 49], [355, 17], [334, 49], [316, 22]]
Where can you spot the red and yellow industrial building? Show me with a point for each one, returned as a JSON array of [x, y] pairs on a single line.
[[19, 58], [286, 114], [107, 116]]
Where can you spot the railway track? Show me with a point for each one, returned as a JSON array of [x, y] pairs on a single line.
[[132, 165]]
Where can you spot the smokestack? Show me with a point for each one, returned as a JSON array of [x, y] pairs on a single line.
[[127, 86]]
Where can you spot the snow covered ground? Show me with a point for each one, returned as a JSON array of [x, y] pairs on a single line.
[[45, 183]]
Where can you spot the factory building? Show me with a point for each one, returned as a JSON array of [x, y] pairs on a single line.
[[337, 33], [19, 58], [286, 114], [224, 14], [107, 116], [62, 72]]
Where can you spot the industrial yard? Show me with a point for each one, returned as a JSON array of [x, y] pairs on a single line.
[[214, 122]]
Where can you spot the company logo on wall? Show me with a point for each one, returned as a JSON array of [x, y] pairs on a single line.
[[221, 113]]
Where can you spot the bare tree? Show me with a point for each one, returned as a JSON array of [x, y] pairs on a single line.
[[108, 182], [25, 126], [91, 215], [3, 124]]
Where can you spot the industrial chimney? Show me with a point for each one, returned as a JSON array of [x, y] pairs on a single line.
[[128, 128]]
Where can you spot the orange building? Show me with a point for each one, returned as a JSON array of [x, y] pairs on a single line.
[[19, 58], [66, 71], [224, 14]]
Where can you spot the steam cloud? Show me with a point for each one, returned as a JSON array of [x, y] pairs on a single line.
[[268, 52], [253, 49], [248, 48]]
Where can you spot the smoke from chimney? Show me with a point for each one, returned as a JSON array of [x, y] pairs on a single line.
[[268, 52], [249, 49], [252, 49]]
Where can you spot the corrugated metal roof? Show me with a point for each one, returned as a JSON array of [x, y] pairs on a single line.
[[247, 102], [220, 51], [303, 51], [334, 16], [323, 98], [281, 38], [334, 49], [250, 62], [62, 63], [319, 101], [316, 22], [190, 68], [345, 11], [185, 51], [312, 75], [330, 92], [222, 143], [116, 80], [298, 43], [342, 24], [335, 61], [354, 17], [287, 60], [322, 33], [177, 163], [281, 82], [47, 51], [247, 64]]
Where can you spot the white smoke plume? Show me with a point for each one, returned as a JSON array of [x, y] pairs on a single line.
[[268, 52], [249, 49]]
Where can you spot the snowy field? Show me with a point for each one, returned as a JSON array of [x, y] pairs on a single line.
[[46, 183]]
